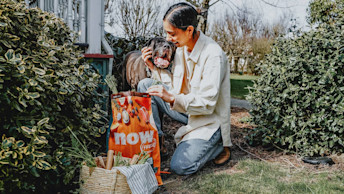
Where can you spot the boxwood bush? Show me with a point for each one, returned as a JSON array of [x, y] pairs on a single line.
[[299, 98], [45, 87]]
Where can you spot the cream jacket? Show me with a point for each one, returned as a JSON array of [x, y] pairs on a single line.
[[208, 103]]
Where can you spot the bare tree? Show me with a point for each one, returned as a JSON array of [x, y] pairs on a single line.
[[203, 7], [245, 37], [134, 17], [145, 13]]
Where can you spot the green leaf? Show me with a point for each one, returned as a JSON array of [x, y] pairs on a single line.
[[7, 44], [41, 164], [28, 150], [32, 95], [20, 143], [28, 130], [2, 24], [51, 53], [2, 59], [40, 140], [43, 121], [21, 69], [49, 127], [9, 55], [33, 171], [38, 71], [50, 72], [14, 155], [63, 91], [22, 101], [19, 14], [102, 130], [38, 154], [33, 82], [16, 106], [4, 162], [7, 143]]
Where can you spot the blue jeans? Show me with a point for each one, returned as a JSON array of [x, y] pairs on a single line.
[[190, 155]]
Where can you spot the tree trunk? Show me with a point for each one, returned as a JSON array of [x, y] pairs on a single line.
[[236, 64], [202, 10]]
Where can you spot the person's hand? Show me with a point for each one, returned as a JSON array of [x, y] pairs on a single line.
[[146, 55], [160, 91]]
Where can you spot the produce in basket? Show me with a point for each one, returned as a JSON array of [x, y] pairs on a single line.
[[119, 160]]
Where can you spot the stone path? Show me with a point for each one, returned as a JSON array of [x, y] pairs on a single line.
[[240, 103]]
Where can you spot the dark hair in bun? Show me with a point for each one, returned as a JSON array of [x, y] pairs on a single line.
[[182, 15]]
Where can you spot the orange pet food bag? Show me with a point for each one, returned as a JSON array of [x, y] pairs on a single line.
[[133, 129]]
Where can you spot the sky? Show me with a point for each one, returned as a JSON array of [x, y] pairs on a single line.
[[297, 8], [269, 13]]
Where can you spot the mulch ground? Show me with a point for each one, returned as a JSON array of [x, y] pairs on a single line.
[[240, 150]]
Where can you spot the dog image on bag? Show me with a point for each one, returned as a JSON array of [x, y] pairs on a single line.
[[134, 68]]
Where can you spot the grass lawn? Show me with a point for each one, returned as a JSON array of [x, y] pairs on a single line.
[[253, 176], [239, 84]]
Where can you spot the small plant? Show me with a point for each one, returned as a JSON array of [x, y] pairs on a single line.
[[112, 83], [79, 151]]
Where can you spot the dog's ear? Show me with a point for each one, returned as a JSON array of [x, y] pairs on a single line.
[[150, 43]]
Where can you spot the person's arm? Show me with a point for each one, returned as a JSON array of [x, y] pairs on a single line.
[[205, 100]]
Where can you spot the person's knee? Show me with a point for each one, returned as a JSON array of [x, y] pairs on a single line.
[[177, 168], [181, 168], [144, 85]]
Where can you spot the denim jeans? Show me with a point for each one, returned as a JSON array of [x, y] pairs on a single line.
[[190, 155]]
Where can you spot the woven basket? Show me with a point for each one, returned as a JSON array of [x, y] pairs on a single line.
[[100, 180]]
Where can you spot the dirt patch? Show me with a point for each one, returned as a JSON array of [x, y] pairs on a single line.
[[240, 150]]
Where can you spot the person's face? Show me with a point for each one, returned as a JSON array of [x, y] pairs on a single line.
[[178, 36]]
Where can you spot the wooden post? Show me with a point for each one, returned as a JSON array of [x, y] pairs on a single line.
[[27, 2], [94, 28], [76, 20], [82, 21], [41, 4], [56, 5], [69, 14]]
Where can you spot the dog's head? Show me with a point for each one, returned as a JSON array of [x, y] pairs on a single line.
[[163, 51]]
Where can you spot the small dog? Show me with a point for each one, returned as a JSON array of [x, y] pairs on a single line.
[[134, 66]]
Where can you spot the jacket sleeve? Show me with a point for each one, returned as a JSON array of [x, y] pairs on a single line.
[[202, 99]]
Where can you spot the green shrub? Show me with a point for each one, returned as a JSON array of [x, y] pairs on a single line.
[[44, 88], [299, 98], [325, 11]]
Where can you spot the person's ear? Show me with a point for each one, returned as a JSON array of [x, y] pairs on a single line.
[[190, 30]]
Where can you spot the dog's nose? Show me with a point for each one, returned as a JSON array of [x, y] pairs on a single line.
[[166, 46]]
